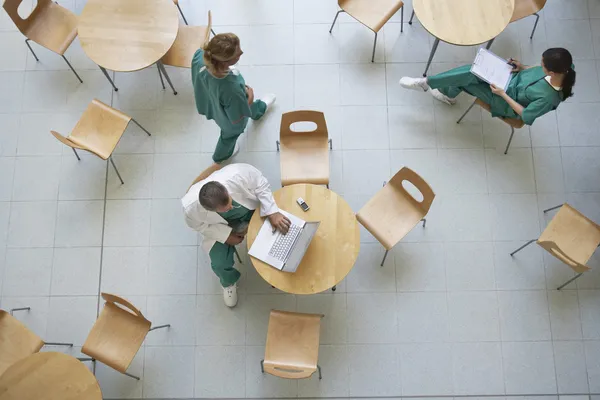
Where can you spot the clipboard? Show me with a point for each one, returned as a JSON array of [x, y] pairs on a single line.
[[491, 68]]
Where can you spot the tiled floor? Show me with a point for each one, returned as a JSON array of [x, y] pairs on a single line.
[[450, 312]]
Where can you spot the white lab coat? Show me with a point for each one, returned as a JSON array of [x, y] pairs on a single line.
[[245, 184]]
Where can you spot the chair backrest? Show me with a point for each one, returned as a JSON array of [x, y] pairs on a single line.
[[16, 341], [407, 174], [122, 304], [553, 249], [290, 118], [206, 173], [208, 28], [514, 122], [12, 9], [67, 141]]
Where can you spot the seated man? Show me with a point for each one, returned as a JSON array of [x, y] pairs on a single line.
[[220, 208]]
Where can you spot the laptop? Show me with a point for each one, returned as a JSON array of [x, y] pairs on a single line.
[[284, 252]]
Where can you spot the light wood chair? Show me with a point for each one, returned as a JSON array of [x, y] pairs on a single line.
[[371, 13], [117, 334], [571, 237], [49, 25], [526, 8], [189, 39], [292, 349], [17, 341], [514, 123], [393, 211], [98, 131], [304, 155]]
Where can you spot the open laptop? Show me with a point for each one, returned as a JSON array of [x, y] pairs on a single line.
[[284, 252]]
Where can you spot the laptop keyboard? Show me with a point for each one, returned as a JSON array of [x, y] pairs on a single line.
[[283, 243]]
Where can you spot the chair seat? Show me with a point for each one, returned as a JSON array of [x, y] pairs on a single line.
[[100, 129], [116, 337], [573, 233], [371, 13], [292, 349], [514, 122], [16, 341], [304, 159], [525, 8], [53, 27], [189, 39], [389, 216]]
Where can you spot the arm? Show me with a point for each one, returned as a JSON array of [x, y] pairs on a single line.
[[236, 106], [262, 190], [215, 231], [512, 103]]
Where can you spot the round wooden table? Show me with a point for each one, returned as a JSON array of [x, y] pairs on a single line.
[[127, 35], [49, 376], [463, 22], [333, 250]]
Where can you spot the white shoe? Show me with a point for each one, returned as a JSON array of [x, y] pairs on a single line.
[[442, 97], [230, 295], [268, 99], [414, 83]]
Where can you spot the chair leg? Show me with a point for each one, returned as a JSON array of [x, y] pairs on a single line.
[[161, 78], [433, 50], [537, 18], [335, 19], [384, 257], [72, 69], [319, 369], [213, 32], [237, 254], [402, 19], [182, 16], [262, 366], [489, 44], [164, 72], [412, 15], [116, 170], [334, 288], [374, 45], [552, 208], [159, 327], [85, 359], [108, 77], [466, 112], [512, 133], [277, 143], [522, 247], [138, 124], [424, 222], [12, 310], [76, 155], [330, 144], [137, 378], [30, 49], [58, 344], [569, 281]]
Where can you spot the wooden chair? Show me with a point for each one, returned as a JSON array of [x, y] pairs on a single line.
[[571, 237], [49, 25], [17, 341], [393, 212], [526, 8], [292, 349], [371, 13], [188, 40], [304, 155], [514, 123], [117, 334], [98, 131]]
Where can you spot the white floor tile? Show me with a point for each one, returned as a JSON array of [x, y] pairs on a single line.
[[261, 385], [11, 98], [422, 317], [168, 227], [173, 174], [571, 372], [216, 324], [590, 322], [316, 85], [169, 372], [266, 44], [82, 180], [575, 35], [315, 11], [466, 218], [365, 128], [477, 368], [411, 127], [367, 275], [365, 171], [580, 165], [334, 322], [420, 267], [36, 178], [263, 12], [257, 314], [426, 368], [70, 319], [24, 216], [496, 134], [564, 315], [529, 367], [116, 385], [136, 171], [470, 266], [544, 132], [333, 361], [514, 216], [397, 96], [462, 171], [363, 84], [125, 270], [524, 315], [510, 173], [35, 138], [7, 178], [138, 90], [179, 312], [27, 272], [524, 270], [548, 170], [413, 45], [172, 270], [10, 136], [592, 359], [35, 319], [75, 271], [372, 318], [374, 370], [313, 44], [127, 223], [356, 43], [220, 372], [79, 223], [473, 316]]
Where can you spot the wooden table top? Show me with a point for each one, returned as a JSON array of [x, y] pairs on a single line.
[[127, 35], [333, 250], [464, 22], [49, 376]]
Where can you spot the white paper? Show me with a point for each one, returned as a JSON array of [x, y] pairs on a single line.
[[492, 68]]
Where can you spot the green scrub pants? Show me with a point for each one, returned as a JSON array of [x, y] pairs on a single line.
[[456, 80], [221, 262], [227, 140]]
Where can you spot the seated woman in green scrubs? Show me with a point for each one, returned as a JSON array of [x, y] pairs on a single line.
[[531, 93], [222, 94]]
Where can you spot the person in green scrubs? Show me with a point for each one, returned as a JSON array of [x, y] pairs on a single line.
[[221, 92], [531, 92]]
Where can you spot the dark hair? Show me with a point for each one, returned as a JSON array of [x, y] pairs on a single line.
[[559, 60], [213, 195]]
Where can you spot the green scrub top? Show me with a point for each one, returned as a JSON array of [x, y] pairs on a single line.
[[221, 99], [532, 91], [237, 214]]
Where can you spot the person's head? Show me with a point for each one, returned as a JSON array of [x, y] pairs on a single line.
[[214, 197], [221, 52], [557, 63]]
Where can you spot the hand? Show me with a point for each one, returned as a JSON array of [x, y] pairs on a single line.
[[234, 239], [517, 65], [250, 94], [280, 222], [496, 90]]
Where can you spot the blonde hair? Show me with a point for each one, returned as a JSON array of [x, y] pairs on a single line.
[[219, 49]]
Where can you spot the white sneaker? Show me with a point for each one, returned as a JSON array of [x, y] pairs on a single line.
[[268, 99], [414, 83], [230, 295], [442, 97]]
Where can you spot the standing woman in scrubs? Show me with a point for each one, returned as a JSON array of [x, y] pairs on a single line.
[[221, 93], [531, 93]]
